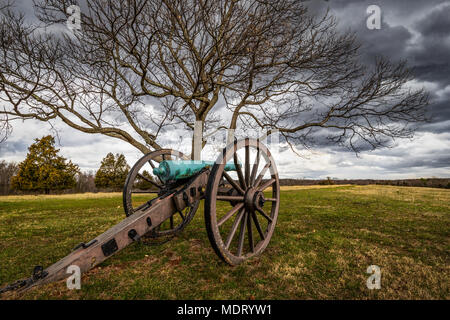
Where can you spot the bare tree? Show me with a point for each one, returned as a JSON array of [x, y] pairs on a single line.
[[7, 171], [141, 66], [85, 182]]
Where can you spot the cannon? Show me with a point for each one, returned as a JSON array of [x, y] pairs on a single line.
[[161, 195]]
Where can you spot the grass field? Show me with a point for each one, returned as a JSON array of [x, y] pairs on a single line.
[[323, 243]]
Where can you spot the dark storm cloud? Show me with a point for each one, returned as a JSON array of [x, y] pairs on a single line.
[[428, 53], [439, 127], [390, 42], [437, 161], [440, 111], [431, 55], [400, 160], [397, 7], [436, 24], [415, 30]]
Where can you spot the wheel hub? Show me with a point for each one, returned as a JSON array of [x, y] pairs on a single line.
[[254, 199]]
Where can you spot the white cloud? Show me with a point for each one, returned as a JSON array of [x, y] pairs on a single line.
[[421, 157]]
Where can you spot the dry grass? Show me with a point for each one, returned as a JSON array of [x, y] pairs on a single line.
[[439, 197], [79, 196], [293, 188], [325, 239]]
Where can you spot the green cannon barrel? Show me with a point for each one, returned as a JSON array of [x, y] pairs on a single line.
[[182, 169]]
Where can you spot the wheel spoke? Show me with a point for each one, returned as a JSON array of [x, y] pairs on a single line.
[[230, 198], [255, 168], [230, 213], [234, 228], [261, 175], [250, 232], [141, 181], [149, 180], [261, 211], [266, 184], [239, 169], [242, 235], [247, 165], [258, 226], [171, 222], [233, 183], [271, 199]]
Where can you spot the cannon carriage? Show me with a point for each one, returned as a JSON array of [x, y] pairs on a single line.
[[162, 193]]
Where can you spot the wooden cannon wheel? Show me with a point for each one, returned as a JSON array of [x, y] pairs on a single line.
[[250, 206], [142, 181]]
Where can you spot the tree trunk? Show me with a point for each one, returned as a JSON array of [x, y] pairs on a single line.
[[197, 141]]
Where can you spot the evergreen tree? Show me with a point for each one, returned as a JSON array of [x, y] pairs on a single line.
[[44, 170], [112, 172]]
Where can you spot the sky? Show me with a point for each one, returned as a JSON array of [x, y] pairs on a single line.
[[415, 30]]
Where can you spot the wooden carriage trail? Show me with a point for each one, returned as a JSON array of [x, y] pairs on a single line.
[[175, 187]]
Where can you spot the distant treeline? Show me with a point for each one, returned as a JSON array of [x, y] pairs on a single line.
[[85, 181], [421, 182], [45, 171]]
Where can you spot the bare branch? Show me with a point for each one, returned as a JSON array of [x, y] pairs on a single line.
[[140, 67]]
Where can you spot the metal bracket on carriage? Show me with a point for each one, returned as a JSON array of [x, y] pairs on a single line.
[[133, 235], [38, 274], [84, 245], [192, 191]]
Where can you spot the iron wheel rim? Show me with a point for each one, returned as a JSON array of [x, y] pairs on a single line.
[[244, 219]]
